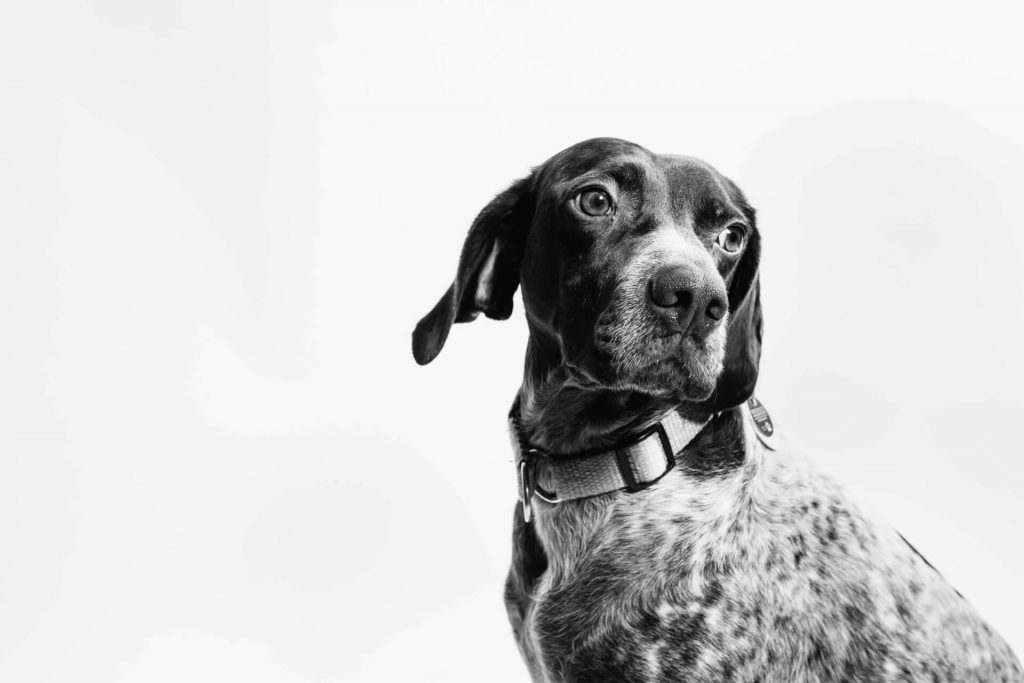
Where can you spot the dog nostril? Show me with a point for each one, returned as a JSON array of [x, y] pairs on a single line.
[[715, 309], [670, 298], [671, 288]]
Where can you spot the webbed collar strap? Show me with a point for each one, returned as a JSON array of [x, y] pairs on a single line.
[[632, 466]]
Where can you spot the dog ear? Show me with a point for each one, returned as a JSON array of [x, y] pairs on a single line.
[[488, 273], [743, 343]]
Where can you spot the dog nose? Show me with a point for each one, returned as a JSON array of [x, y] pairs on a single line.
[[688, 298]]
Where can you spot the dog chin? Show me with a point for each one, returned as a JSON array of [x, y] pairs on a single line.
[[686, 370], [684, 379]]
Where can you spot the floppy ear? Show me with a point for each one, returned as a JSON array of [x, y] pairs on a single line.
[[488, 272], [743, 342]]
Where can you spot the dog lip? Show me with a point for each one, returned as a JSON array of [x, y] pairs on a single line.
[[581, 376]]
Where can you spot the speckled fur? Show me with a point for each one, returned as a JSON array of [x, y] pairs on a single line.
[[760, 569], [741, 564]]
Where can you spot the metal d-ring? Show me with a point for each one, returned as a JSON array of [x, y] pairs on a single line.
[[526, 489]]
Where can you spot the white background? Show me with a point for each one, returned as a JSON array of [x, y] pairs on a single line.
[[220, 222]]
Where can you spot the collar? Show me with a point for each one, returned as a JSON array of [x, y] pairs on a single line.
[[632, 466]]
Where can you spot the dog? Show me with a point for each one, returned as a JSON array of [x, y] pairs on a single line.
[[661, 534]]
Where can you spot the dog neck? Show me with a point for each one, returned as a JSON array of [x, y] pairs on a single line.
[[561, 415]]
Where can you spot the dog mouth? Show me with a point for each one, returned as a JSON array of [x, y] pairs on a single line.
[[660, 362], [691, 369]]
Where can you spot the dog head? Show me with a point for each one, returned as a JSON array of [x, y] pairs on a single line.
[[638, 270]]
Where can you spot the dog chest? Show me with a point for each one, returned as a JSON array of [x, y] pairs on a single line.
[[766, 572]]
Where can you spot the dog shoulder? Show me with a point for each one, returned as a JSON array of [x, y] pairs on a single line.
[[869, 605]]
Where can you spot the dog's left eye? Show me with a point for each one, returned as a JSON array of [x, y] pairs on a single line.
[[594, 202], [731, 239]]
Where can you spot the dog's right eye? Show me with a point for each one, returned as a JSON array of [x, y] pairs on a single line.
[[594, 202]]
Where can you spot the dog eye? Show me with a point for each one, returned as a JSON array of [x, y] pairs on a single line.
[[731, 239], [594, 202]]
